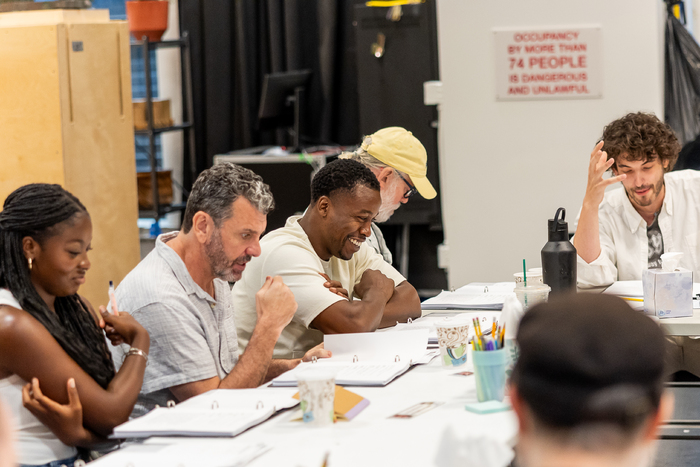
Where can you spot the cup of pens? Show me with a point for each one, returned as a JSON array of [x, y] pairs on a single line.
[[453, 339], [490, 359]]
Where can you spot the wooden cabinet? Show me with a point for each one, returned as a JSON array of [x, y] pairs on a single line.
[[66, 118]]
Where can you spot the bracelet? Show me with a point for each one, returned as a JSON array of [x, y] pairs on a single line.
[[135, 351]]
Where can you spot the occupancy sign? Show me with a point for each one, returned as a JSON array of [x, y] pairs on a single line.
[[556, 63]]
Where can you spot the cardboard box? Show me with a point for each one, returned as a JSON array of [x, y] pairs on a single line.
[[668, 294]]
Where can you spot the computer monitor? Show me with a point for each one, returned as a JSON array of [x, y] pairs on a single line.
[[281, 102]]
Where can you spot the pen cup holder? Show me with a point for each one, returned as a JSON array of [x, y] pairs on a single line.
[[490, 374]]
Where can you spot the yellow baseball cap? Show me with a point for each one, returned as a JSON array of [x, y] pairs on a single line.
[[399, 149]]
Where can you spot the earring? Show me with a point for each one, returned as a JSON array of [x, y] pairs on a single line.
[[30, 263]]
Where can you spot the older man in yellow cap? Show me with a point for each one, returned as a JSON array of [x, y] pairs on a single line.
[[399, 161]]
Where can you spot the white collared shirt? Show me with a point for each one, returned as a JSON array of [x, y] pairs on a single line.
[[623, 232]]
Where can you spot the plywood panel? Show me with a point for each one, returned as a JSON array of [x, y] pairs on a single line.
[[46, 17], [99, 148], [30, 112]]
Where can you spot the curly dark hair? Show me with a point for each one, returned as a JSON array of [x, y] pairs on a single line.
[[341, 175], [641, 136]]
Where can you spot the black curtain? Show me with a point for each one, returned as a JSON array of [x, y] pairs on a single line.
[[235, 42]]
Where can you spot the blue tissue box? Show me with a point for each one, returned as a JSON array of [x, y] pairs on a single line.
[[668, 294]]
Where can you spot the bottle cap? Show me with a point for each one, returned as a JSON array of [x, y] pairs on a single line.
[[558, 228]]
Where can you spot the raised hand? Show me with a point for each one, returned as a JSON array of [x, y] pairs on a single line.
[[122, 328], [275, 303], [597, 166]]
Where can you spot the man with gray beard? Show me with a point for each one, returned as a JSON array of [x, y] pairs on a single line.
[[398, 160], [180, 294]]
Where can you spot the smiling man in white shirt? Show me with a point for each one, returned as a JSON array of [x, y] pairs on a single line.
[[622, 232], [328, 243]]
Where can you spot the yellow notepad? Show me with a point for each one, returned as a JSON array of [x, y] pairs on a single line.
[[346, 404]]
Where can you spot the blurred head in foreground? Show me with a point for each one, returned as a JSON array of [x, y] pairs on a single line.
[[588, 385]]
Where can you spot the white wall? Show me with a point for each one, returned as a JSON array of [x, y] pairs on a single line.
[[506, 167]]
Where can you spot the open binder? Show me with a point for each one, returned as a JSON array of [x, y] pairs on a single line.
[[224, 412], [353, 373], [366, 358]]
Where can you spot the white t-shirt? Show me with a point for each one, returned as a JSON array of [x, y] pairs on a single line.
[[34, 442], [287, 252], [623, 232]]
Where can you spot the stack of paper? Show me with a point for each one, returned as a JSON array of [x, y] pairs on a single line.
[[367, 358], [185, 422], [474, 296], [222, 412], [348, 373], [633, 293]]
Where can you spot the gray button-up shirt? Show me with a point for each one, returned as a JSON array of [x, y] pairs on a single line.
[[193, 335]]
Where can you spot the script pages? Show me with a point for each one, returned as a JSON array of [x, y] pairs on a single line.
[[367, 358], [224, 412], [474, 296]]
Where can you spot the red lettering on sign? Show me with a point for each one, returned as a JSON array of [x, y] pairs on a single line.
[[553, 61]]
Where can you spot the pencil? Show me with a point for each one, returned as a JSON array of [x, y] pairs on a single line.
[[632, 299]]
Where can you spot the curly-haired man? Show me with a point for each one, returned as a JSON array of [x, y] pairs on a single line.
[[324, 259], [625, 231]]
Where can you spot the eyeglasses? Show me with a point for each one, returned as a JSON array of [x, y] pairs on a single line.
[[411, 189]]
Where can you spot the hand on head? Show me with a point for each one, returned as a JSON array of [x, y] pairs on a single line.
[[275, 304], [598, 165]]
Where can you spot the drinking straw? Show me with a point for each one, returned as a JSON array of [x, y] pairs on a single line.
[[525, 281]]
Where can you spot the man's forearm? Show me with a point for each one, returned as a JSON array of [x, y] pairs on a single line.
[[587, 238], [252, 367], [404, 304], [279, 366]]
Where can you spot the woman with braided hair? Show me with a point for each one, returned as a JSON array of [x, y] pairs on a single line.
[[48, 333]]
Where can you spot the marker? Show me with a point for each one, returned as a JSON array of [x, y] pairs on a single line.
[[113, 299]]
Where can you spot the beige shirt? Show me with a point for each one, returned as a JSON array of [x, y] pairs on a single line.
[[287, 252]]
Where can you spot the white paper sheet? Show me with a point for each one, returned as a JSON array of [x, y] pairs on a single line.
[[378, 347], [242, 399]]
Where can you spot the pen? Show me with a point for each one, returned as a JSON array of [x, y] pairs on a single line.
[[493, 327], [113, 299]]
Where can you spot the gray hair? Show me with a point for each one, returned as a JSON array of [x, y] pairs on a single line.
[[369, 161], [362, 156], [218, 187]]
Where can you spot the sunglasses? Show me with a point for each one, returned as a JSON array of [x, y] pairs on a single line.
[[411, 189]]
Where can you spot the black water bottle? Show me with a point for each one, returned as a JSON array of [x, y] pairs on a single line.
[[559, 257]]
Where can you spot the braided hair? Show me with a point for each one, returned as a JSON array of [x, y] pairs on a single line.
[[37, 211]]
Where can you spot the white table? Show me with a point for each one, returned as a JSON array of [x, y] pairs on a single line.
[[374, 439], [689, 326]]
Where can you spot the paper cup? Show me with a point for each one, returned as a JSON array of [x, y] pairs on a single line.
[[453, 340], [490, 374], [532, 295], [534, 277], [317, 394]]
